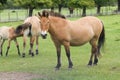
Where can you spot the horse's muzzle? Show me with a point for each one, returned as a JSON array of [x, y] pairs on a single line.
[[44, 36]]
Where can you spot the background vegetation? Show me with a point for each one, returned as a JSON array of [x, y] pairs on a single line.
[[70, 4]]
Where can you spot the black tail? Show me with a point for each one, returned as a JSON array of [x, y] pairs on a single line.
[[101, 40], [30, 34]]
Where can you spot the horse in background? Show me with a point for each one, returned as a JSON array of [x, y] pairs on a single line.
[[73, 33], [9, 33], [32, 31], [35, 32]]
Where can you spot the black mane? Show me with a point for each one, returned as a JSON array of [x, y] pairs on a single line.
[[46, 13]]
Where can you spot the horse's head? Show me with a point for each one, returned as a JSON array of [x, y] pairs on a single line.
[[44, 23]]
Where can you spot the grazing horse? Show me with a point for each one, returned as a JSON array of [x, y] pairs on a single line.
[[73, 33], [34, 31], [9, 33]]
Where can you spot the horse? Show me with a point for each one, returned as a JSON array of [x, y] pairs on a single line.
[[9, 33], [73, 33], [32, 31], [35, 31]]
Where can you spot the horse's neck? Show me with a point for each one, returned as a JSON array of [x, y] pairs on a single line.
[[56, 24], [16, 35], [53, 24]]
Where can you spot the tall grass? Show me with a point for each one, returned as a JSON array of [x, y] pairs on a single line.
[[108, 67]]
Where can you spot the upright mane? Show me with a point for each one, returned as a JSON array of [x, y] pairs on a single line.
[[46, 13]]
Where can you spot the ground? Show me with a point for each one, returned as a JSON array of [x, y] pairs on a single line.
[[18, 76]]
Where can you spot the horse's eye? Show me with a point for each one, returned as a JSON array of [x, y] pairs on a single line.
[[48, 21]]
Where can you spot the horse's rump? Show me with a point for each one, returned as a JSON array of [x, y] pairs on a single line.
[[35, 29]]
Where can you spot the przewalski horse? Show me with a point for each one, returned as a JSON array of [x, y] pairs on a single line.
[[9, 33], [73, 33]]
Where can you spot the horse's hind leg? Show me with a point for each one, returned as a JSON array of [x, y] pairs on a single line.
[[24, 46], [32, 39], [94, 51], [8, 47], [1, 44], [37, 45], [17, 45]]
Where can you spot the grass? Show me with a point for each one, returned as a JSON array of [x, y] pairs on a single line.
[[108, 67]]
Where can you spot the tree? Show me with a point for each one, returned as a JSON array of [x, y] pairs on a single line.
[[3, 1], [118, 5], [32, 4], [59, 4], [81, 4], [100, 3]]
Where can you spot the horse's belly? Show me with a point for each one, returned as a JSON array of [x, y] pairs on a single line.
[[80, 41], [77, 43]]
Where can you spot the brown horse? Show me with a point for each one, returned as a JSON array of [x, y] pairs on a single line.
[[73, 33]]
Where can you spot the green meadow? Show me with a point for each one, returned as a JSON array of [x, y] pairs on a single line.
[[43, 64]]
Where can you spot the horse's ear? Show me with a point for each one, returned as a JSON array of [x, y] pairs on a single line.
[[45, 13], [39, 15]]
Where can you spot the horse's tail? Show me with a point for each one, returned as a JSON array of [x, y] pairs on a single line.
[[101, 40], [30, 32]]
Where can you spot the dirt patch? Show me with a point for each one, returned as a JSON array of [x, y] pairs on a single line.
[[18, 76]]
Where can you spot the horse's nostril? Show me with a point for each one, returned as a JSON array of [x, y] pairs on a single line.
[[44, 36]]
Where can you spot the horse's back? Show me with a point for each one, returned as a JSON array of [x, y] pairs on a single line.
[[84, 29], [4, 31], [93, 23], [34, 20]]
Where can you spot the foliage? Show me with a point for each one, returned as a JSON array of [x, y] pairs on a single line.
[[81, 3], [32, 3], [3, 1], [55, 3], [105, 2]]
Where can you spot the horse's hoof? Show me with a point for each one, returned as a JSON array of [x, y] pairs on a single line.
[[32, 54], [37, 52], [23, 55], [69, 68], [1, 54], [56, 69], [95, 64], [90, 63]]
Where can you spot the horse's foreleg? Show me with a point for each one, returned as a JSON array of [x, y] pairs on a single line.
[[67, 49], [58, 50], [31, 45], [24, 45], [37, 45], [8, 47], [17, 45]]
